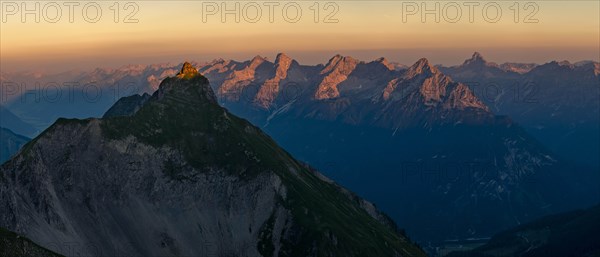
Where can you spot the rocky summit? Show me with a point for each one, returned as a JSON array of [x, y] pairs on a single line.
[[181, 176], [187, 71]]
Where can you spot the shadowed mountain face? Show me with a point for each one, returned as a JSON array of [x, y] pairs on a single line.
[[13, 245], [183, 176], [575, 233], [127, 105], [558, 102], [10, 143]]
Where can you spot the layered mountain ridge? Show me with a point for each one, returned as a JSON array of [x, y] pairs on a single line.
[[341, 84], [182, 176], [383, 126], [429, 137], [388, 134], [557, 102]]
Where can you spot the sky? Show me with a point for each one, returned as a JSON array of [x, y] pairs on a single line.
[[75, 35]]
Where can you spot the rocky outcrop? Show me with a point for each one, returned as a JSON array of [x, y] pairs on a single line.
[[435, 88], [187, 71], [386, 63], [477, 60], [270, 88], [236, 82], [335, 72]]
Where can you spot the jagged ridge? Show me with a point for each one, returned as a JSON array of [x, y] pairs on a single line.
[[181, 159]]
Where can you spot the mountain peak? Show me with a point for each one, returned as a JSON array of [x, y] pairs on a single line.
[[258, 59], [382, 60], [337, 71], [565, 63], [187, 80], [340, 58], [218, 60], [385, 63], [340, 62], [477, 60], [182, 143], [336, 57], [282, 57], [187, 71], [421, 66], [422, 62]]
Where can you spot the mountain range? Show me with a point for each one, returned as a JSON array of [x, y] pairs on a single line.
[[388, 133], [557, 102], [182, 176], [438, 148]]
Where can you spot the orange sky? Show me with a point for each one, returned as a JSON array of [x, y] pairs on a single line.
[[170, 31]]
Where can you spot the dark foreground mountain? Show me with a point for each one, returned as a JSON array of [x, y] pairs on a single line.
[[127, 106], [13, 245], [571, 234], [10, 143], [182, 177]]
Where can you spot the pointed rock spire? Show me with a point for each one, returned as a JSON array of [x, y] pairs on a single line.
[[270, 89], [339, 62], [337, 71], [420, 67], [477, 56], [255, 62], [283, 60], [187, 71], [476, 60], [258, 59], [335, 58], [282, 56]]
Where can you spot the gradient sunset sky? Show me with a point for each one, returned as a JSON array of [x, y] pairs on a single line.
[[173, 31]]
